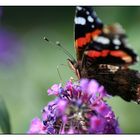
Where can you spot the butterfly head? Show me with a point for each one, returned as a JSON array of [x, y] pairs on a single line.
[[76, 66]]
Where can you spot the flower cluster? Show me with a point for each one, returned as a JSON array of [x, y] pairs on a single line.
[[79, 108]]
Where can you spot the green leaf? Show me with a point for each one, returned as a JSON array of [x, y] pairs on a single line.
[[4, 118]]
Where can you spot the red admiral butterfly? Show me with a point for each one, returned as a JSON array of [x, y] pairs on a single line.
[[104, 54]]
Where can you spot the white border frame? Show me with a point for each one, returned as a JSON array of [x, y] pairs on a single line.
[[70, 2], [70, 137]]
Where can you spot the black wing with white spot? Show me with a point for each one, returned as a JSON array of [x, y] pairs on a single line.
[[103, 53], [100, 43], [86, 21], [111, 47], [87, 27]]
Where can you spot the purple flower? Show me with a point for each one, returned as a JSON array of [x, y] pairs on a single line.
[[93, 87], [97, 124], [36, 127], [61, 106], [54, 90], [79, 108], [102, 108], [84, 84]]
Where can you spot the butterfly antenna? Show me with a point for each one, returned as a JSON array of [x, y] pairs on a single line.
[[61, 47], [59, 74], [58, 71]]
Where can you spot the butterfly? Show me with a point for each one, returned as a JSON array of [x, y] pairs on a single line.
[[103, 54]]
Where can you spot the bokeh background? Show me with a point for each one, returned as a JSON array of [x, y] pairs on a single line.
[[29, 66]]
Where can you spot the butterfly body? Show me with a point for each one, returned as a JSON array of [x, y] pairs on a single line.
[[103, 54]]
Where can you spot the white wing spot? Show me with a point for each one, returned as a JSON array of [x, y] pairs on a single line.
[[117, 47], [90, 19], [79, 8], [80, 20], [116, 41], [102, 40], [92, 26], [87, 12]]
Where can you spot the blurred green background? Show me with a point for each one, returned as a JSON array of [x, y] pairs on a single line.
[[23, 85]]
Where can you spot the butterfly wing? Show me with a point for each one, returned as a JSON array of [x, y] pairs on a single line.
[[99, 44], [105, 55], [111, 47], [87, 27], [117, 81]]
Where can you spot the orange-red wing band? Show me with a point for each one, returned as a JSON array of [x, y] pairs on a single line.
[[121, 54], [104, 53], [118, 53], [96, 33], [94, 54], [82, 41]]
